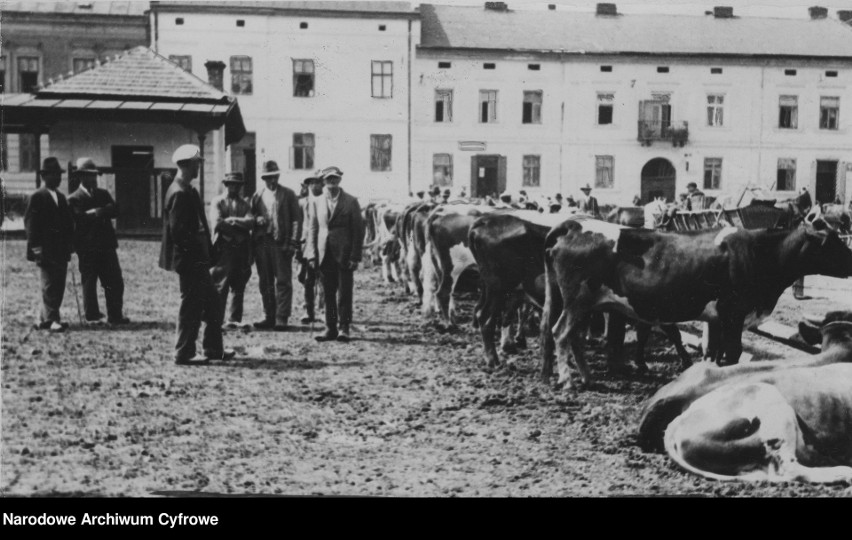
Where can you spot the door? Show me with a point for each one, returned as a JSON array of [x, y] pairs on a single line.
[[826, 181], [658, 180], [488, 176], [655, 119], [135, 188]]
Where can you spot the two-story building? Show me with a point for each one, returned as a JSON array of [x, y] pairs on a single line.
[[319, 84], [549, 101]]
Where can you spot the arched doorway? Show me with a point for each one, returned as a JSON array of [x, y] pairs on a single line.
[[658, 180]]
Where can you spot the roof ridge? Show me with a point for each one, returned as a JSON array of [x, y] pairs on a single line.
[[192, 77]]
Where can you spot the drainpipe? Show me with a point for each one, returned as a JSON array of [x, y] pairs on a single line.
[[562, 121], [37, 158], [410, 90], [760, 143], [201, 139]]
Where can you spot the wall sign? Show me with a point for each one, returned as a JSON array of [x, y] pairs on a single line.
[[472, 146]]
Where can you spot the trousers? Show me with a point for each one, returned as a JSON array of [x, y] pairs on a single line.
[[231, 273], [103, 266], [275, 276], [53, 277], [337, 283], [199, 301]]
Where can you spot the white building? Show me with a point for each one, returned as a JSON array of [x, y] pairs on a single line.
[[319, 83], [631, 104]]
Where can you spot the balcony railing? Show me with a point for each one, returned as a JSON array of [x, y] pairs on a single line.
[[657, 130]]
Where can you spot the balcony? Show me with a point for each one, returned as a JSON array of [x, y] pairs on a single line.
[[659, 130]]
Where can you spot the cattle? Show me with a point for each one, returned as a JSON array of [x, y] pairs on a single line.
[[731, 279], [838, 217], [447, 256], [412, 243], [772, 420], [628, 216]]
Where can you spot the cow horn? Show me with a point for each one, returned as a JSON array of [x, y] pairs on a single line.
[[814, 214]]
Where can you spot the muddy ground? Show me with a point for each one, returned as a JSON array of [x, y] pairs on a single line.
[[403, 410]]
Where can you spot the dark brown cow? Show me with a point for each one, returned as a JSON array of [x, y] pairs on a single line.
[[732, 278]]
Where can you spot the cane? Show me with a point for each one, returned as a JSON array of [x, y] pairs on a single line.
[[76, 294]]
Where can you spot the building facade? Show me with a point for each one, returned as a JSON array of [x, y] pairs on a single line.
[[319, 84], [43, 41], [633, 105]]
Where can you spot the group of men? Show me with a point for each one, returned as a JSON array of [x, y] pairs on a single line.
[[324, 231], [57, 226]]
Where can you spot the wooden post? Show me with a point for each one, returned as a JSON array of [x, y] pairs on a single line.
[[37, 156], [201, 138]]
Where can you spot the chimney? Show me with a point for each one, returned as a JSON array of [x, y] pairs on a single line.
[[496, 6], [723, 12], [818, 12], [606, 9], [845, 15], [215, 71]]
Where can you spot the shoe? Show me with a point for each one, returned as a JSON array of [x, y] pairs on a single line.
[[197, 360], [57, 328], [307, 319], [226, 354], [119, 321], [281, 326], [265, 324], [44, 325], [230, 325], [328, 336], [97, 319], [344, 334]]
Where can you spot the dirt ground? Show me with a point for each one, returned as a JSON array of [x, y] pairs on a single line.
[[403, 410]]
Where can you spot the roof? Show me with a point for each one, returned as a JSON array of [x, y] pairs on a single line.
[[140, 73], [587, 33], [78, 8], [352, 6]]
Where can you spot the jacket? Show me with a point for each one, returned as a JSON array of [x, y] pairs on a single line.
[[221, 208], [186, 236], [49, 227], [287, 213], [339, 235], [93, 232]]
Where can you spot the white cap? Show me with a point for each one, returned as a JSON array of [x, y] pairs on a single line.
[[185, 152]]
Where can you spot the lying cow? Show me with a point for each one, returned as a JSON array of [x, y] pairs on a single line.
[[732, 278], [774, 421]]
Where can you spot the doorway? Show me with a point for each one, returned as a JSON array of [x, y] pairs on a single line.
[[487, 175], [826, 181], [135, 189], [658, 180]]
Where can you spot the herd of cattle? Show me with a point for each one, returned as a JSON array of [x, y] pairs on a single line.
[[775, 420]]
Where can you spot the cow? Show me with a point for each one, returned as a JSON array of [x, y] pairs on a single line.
[[412, 243], [839, 217], [731, 278], [508, 248], [447, 256], [772, 420]]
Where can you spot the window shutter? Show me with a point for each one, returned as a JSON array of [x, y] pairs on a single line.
[[292, 157]]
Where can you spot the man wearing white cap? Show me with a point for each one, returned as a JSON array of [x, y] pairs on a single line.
[[186, 249], [96, 245]]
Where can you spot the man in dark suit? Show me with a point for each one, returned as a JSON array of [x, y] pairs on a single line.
[[587, 203], [95, 244], [334, 244], [277, 235], [50, 237], [187, 249], [232, 222]]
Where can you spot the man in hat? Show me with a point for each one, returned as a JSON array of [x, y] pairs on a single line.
[[694, 197], [186, 249], [96, 245], [277, 235], [50, 237], [334, 245], [232, 224], [311, 189], [588, 204]]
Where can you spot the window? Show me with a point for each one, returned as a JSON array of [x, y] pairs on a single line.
[[380, 152], [715, 71], [532, 107], [831, 73], [790, 72], [179, 21], [445, 65], [241, 73], [303, 151], [715, 109], [303, 25], [605, 108], [663, 69], [829, 112], [443, 105], [606, 69], [532, 171], [303, 78], [382, 79], [382, 27], [534, 67], [488, 65], [27, 74], [27, 152], [82, 64], [241, 23], [184, 62], [442, 170], [786, 180], [487, 106], [788, 116], [2, 75], [712, 173], [604, 166]]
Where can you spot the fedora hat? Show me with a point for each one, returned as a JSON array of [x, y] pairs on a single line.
[[270, 168], [51, 164], [86, 165], [186, 152], [329, 172], [233, 177], [587, 187]]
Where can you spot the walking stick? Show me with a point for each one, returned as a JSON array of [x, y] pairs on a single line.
[[76, 294]]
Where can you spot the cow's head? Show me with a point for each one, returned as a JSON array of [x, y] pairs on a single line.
[[835, 328], [825, 252]]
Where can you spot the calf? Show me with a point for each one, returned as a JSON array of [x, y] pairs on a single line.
[[733, 278]]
